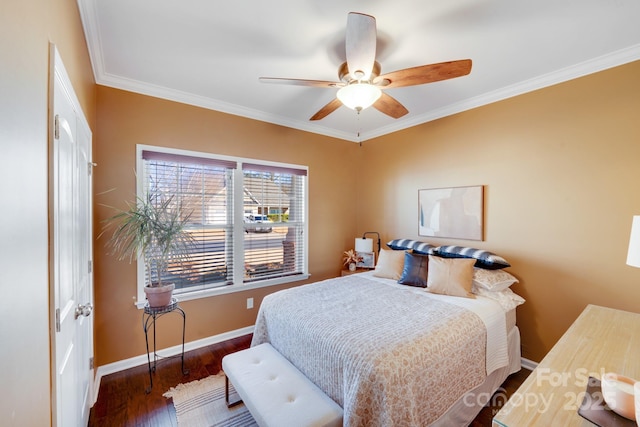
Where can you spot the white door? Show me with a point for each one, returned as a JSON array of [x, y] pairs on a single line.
[[72, 283]]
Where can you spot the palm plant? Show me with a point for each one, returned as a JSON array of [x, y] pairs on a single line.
[[155, 227]]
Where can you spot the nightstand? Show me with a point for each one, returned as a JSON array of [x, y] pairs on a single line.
[[600, 340], [347, 272]]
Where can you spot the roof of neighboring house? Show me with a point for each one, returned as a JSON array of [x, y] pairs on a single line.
[[264, 193]]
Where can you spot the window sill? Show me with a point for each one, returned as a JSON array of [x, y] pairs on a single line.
[[206, 293]]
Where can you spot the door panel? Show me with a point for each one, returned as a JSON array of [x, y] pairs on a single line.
[[72, 284]]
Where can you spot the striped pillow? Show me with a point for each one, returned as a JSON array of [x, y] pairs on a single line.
[[484, 259], [421, 248]]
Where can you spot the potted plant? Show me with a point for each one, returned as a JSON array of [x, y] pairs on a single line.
[[154, 227], [351, 259]]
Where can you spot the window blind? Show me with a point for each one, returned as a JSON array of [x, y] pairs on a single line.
[[201, 188], [247, 219], [274, 214]]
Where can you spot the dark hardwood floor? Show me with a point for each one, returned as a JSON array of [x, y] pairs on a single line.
[[122, 400]]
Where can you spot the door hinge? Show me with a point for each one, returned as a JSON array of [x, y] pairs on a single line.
[[90, 168], [56, 127], [57, 320], [90, 266], [91, 363]]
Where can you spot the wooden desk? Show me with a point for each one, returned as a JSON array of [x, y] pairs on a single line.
[[600, 340]]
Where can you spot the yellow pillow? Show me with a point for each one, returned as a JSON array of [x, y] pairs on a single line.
[[390, 264], [450, 276]]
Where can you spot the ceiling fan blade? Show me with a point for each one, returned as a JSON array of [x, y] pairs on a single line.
[[360, 44], [327, 109], [390, 106], [300, 82], [424, 74]]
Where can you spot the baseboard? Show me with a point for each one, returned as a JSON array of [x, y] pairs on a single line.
[[170, 351], [528, 364]]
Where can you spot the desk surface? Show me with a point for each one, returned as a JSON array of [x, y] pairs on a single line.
[[600, 340]]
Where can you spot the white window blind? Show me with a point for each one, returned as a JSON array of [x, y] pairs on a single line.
[[266, 236], [274, 243], [203, 188]]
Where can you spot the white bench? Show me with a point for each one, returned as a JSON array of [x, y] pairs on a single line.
[[275, 392]]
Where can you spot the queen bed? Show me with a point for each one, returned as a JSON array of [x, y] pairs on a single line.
[[391, 354]]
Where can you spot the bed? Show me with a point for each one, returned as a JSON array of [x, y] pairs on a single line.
[[390, 354]]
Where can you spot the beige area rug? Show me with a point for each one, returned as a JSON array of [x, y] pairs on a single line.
[[201, 404]]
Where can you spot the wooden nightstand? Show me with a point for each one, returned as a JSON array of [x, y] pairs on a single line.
[[600, 340], [347, 272]]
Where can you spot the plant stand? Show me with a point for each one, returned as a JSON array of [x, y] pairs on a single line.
[[149, 317]]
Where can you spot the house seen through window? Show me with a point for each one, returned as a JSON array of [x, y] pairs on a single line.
[[247, 218]]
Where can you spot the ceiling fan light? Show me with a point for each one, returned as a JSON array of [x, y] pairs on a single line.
[[359, 96]]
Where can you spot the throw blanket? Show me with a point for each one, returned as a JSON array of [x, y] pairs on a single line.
[[388, 356]]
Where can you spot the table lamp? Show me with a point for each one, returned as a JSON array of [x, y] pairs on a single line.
[[366, 245], [633, 255]]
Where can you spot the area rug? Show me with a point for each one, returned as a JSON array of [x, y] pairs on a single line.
[[201, 404]]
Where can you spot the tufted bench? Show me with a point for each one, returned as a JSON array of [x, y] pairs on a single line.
[[275, 392]]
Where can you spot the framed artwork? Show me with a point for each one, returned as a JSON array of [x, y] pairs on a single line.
[[368, 260], [455, 213]]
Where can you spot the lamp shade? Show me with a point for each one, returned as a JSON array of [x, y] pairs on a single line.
[[364, 245], [633, 256], [359, 96]]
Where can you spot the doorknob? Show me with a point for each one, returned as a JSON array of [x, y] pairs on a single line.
[[83, 310]]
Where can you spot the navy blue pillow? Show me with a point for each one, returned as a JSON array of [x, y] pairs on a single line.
[[484, 259], [416, 268], [417, 247]]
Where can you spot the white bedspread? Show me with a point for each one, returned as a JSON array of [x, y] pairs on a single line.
[[388, 354]]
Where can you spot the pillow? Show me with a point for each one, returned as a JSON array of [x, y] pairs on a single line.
[[415, 270], [418, 247], [484, 259], [450, 276], [507, 299], [390, 264], [492, 280]]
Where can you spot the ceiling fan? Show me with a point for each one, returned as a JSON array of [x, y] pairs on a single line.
[[361, 84]]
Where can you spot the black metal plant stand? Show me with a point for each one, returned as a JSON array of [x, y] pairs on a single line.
[[149, 317]]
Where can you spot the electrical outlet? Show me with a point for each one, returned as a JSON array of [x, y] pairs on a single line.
[[249, 303]]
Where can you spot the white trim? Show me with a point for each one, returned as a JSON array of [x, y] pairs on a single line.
[[229, 289], [102, 77], [132, 362], [601, 63], [528, 364]]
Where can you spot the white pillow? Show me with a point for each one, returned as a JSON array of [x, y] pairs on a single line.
[[390, 264], [507, 299], [492, 280]]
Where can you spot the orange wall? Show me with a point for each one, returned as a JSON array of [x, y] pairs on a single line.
[[26, 29], [561, 168], [126, 119]]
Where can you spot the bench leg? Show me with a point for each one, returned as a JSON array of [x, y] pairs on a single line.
[[226, 394]]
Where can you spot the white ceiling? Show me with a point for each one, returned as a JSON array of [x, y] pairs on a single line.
[[210, 53]]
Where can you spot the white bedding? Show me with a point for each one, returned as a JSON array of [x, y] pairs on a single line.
[[380, 349]]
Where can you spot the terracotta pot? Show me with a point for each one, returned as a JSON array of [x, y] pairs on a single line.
[[159, 296]]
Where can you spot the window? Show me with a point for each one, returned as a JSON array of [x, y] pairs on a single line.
[[248, 219]]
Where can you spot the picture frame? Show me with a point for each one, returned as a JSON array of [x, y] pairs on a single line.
[[368, 260], [454, 212]]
